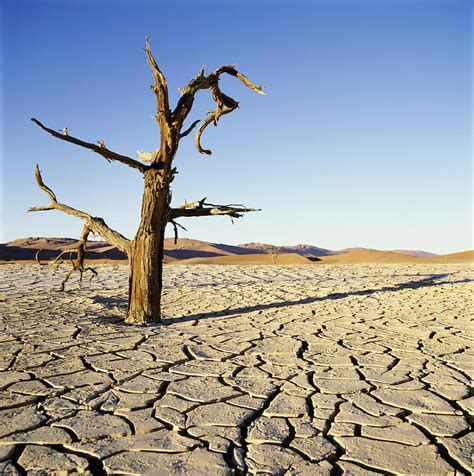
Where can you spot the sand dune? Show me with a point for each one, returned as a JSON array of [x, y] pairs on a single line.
[[462, 257], [188, 248], [25, 249], [368, 256], [285, 258], [417, 253], [202, 252]]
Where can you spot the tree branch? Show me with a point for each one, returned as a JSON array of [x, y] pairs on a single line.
[[205, 82], [160, 88], [55, 262], [189, 129], [225, 104], [101, 150], [175, 227], [213, 117], [96, 224], [201, 209], [78, 265]]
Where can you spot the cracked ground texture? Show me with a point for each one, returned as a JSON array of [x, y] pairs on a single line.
[[358, 369]]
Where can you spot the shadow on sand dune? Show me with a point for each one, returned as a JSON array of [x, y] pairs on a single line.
[[431, 280]]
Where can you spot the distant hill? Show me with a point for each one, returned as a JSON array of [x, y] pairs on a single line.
[[189, 251], [369, 256], [418, 254]]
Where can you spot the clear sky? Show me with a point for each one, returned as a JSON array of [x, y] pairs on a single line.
[[364, 138]]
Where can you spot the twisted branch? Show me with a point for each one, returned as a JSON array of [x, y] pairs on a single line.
[[78, 265], [57, 261], [212, 118], [95, 224], [225, 104]]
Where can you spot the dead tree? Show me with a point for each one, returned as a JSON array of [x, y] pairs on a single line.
[[145, 251], [274, 251], [78, 263]]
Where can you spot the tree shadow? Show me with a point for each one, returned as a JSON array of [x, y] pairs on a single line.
[[426, 282], [431, 280]]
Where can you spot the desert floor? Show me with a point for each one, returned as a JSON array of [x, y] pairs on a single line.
[[353, 369]]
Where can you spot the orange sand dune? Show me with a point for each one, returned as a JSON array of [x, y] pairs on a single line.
[[187, 248], [195, 248], [462, 257], [368, 256], [284, 258]]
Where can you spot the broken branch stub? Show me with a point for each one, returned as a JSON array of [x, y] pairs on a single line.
[[160, 88], [201, 209]]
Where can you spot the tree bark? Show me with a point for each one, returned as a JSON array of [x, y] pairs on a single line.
[[146, 253]]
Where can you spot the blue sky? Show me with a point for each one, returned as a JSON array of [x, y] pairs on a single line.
[[363, 139]]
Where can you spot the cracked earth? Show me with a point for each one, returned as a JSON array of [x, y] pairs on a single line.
[[329, 370]]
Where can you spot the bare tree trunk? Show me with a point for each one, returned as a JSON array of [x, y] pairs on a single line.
[[146, 253]]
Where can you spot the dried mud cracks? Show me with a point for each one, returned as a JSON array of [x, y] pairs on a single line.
[[262, 370]]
